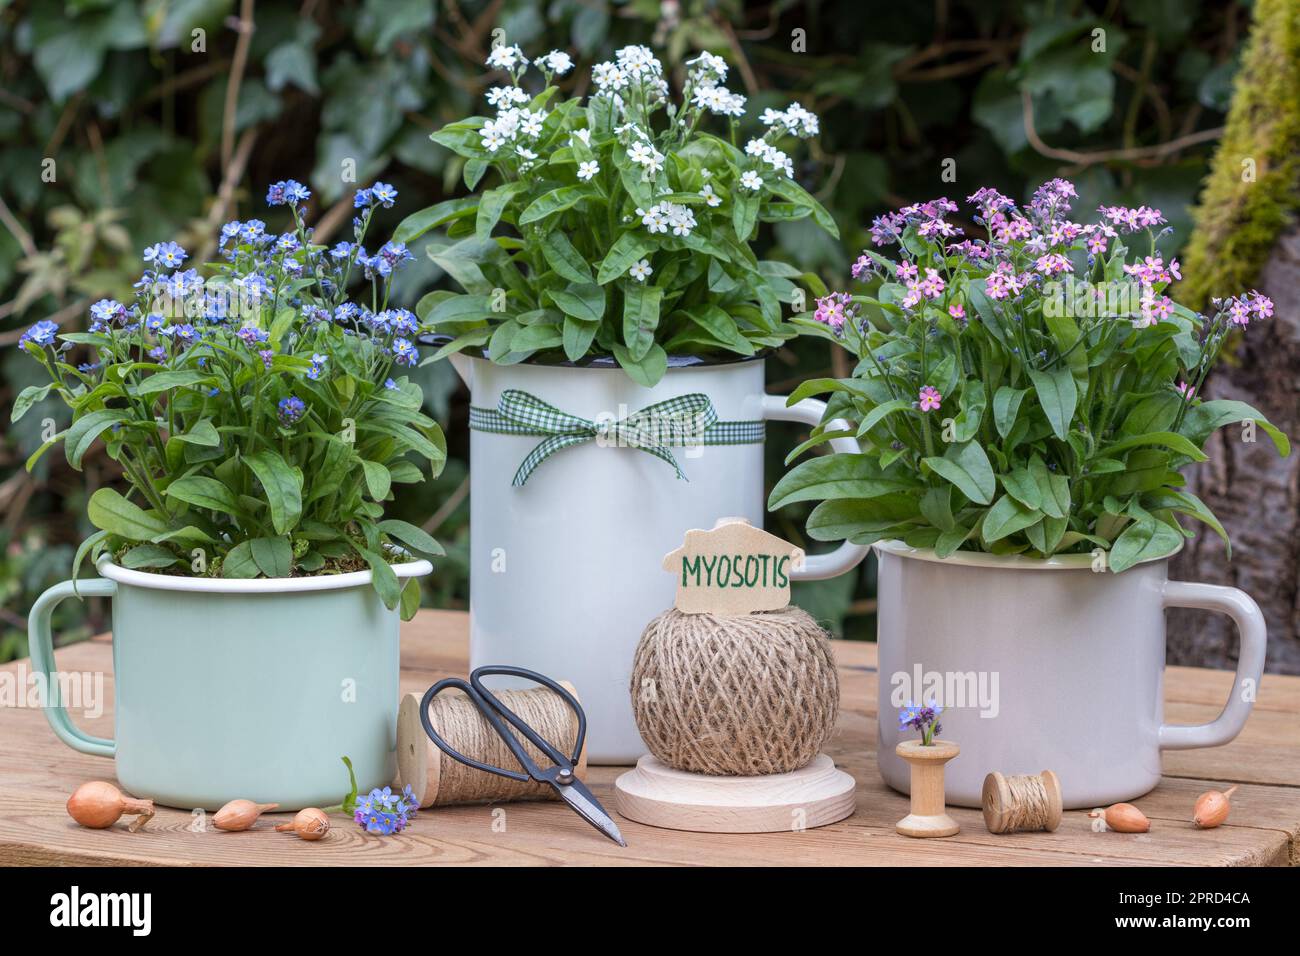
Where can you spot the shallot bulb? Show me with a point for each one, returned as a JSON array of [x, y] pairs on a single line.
[[99, 805], [240, 814], [1212, 808], [1124, 818], [309, 824]]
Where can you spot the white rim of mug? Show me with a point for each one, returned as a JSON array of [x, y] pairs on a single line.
[[312, 582], [1018, 562]]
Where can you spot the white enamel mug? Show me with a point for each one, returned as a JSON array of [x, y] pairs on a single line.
[[565, 571], [1046, 665]]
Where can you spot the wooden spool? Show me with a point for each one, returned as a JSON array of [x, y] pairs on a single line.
[[999, 803], [419, 761], [658, 795], [928, 816]]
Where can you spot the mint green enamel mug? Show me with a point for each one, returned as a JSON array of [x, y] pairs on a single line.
[[235, 688]]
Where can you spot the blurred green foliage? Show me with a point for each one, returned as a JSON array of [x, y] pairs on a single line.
[[120, 121]]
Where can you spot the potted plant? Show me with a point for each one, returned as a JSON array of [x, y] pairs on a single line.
[[261, 419], [1025, 400], [611, 326]]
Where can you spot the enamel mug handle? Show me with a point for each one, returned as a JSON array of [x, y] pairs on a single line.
[[810, 412], [1241, 607], [40, 644]]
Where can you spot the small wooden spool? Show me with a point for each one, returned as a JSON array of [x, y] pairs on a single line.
[[659, 796], [999, 803], [928, 816], [420, 762]]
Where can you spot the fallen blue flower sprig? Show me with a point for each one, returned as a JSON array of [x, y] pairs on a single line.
[[381, 812]]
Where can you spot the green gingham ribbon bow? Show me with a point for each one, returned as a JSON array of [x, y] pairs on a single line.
[[684, 421]]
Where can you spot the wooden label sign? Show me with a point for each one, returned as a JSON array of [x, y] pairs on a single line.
[[732, 569]]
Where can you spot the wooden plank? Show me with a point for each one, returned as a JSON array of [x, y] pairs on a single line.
[[37, 773]]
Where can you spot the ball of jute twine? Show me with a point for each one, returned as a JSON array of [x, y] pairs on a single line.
[[735, 696]]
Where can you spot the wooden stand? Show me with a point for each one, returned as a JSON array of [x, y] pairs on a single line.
[[657, 795], [928, 817]]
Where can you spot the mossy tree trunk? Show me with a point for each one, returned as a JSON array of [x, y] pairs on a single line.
[[1246, 236]]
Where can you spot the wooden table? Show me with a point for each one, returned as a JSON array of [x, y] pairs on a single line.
[[37, 773]]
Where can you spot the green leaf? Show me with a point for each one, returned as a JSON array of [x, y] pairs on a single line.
[[460, 343], [533, 338], [82, 550], [378, 480], [640, 317], [627, 250], [1146, 469], [1174, 442], [239, 563], [744, 213], [967, 423], [109, 511], [720, 326], [204, 493], [1141, 540], [434, 451], [418, 223], [789, 189], [950, 541], [861, 518], [202, 433], [412, 536], [349, 804], [86, 429], [967, 466], [584, 301], [273, 556], [188, 536], [647, 370], [561, 256], [1046, 535], [1155, 413], [1020, 484], [410, 598], [149, 556], [557, 200], [936, 505], [1204, 418], [1187, 503], [28, 397], [166, 381], [1058, 396], [384, 578], [818, 438], [577, 337], [838, 475], [880, 412], [1006, 517], [491, 205], [1054, 489], [282, 487]]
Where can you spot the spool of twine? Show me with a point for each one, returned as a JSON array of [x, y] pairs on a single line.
[[440, 780], [1019, 804], [735, 696]]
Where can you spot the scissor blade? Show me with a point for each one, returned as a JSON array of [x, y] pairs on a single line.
[[589, 808]]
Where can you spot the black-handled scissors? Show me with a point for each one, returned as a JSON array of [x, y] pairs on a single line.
[[561, 775]]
